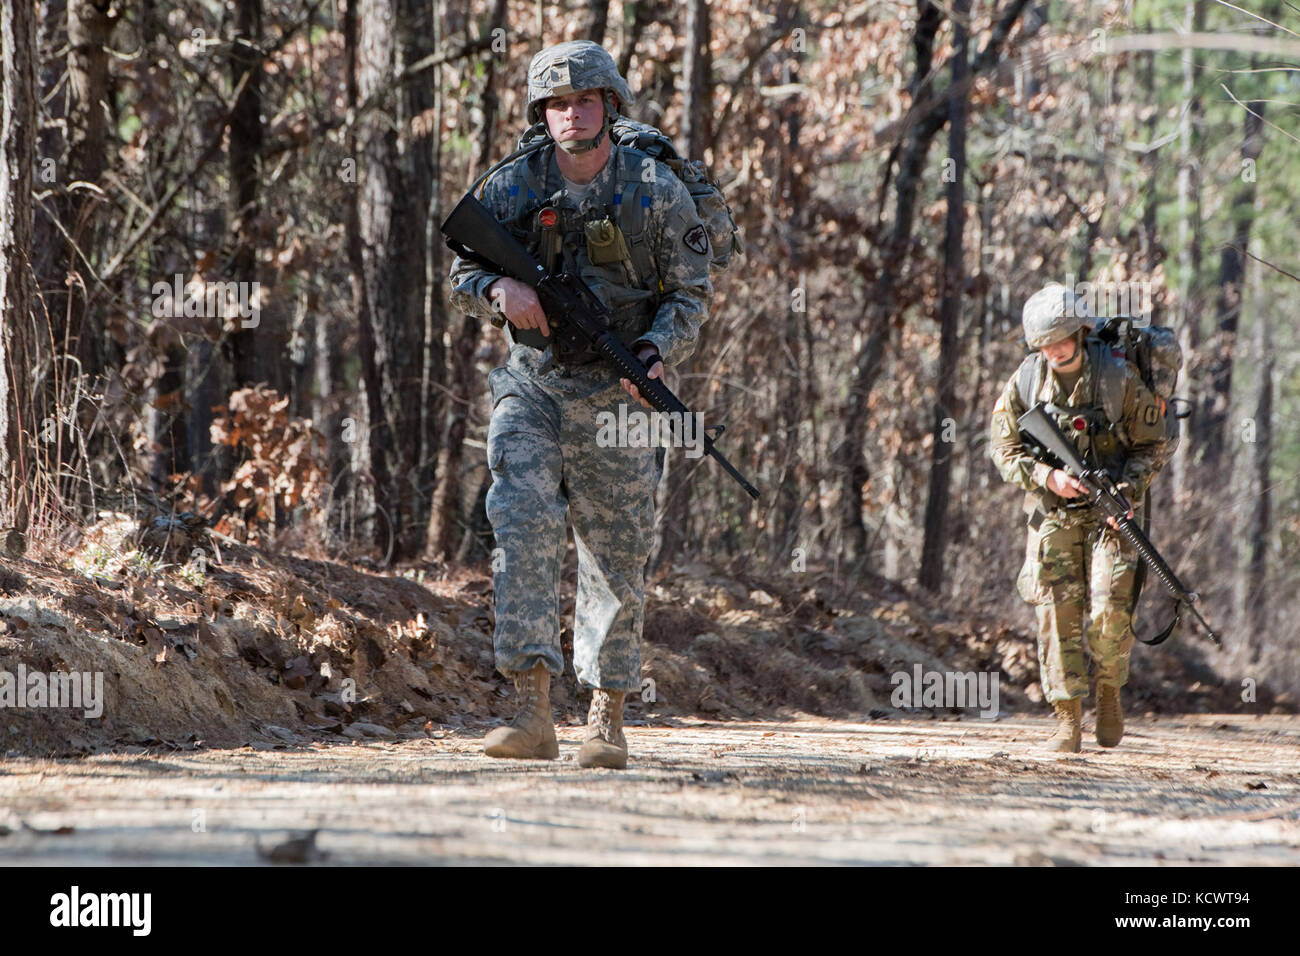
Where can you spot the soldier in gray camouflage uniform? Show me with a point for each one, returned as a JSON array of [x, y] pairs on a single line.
[[629, 228], [1076, 566]]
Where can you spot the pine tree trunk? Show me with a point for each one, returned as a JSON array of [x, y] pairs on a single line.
[[945, 408], [446, 513], [597, 20], [447, 414], [17, 160], [697, 101], [90, 26], [250, 359], [1261, 521], [71, 148], [445, 521], [1189, 239], [49, 248], [675, 493], [1260, 532], [394, 185]]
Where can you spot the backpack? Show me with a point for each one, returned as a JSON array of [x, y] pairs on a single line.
[[710, 204], [1153, 352]]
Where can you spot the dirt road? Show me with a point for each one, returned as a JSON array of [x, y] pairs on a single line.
[[1193, 790]]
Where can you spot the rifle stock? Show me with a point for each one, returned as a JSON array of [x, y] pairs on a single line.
[[471, 221]]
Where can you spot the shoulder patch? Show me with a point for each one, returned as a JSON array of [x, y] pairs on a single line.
[[1005, 428], [697, 240]]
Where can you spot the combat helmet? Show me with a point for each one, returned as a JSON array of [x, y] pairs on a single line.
[[1054, 313], [571, 66]]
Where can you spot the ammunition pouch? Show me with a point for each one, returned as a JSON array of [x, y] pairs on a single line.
[[605, 242]]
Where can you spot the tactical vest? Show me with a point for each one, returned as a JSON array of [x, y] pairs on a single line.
[[1097, 427], [710, 204], [609, 246]]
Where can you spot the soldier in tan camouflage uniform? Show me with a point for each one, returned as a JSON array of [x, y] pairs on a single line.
[[628, 226], [1076, 567]]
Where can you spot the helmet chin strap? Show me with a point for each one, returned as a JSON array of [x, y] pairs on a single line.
[[1073, 355], [576, 146]]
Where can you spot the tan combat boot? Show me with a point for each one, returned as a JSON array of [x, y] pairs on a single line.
[[1069, 726], [1110, 716], [531, 735], [605, 745]]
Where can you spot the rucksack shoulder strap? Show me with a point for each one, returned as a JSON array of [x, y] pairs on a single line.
[[1110, 378], [535, 170], [1029, 378], [629, 207]]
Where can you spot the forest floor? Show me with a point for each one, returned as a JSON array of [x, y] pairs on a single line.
[[1178, 791], [268, 693]]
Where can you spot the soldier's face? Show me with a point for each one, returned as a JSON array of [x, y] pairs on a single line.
[[574, 115], [1065, 354]]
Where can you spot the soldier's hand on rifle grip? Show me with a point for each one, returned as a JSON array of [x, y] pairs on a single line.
[[1064, 485], [519, 303], [656, 371]]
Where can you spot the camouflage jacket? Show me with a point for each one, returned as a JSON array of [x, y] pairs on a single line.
[[658, 293], [1142, 449]]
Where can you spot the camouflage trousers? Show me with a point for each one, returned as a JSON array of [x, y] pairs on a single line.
[[545, 461], [1075, 571]]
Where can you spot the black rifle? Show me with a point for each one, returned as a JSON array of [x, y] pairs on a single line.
[[1045, 439], [577, 318]]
